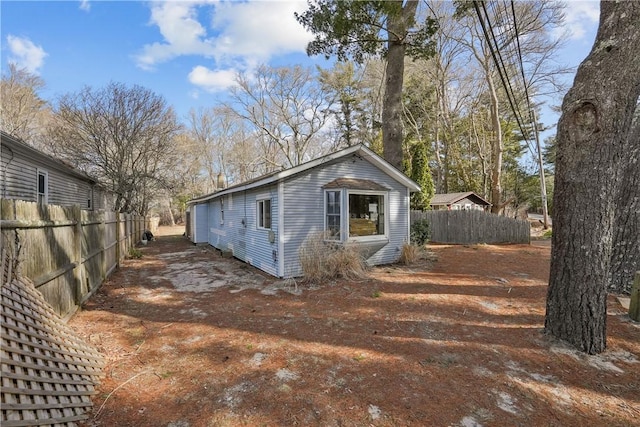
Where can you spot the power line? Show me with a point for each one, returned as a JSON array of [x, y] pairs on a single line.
[[502, 70], [494, 49], [524, 79]]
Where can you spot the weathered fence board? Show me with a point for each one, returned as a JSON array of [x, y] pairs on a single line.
[[471, 227], [65, 251]]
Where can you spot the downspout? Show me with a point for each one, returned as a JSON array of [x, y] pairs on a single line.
[[281, 230], [408, 239]]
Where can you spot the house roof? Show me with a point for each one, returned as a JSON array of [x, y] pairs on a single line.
[[355, 184], [356, 150], [446, 199], [13, 143]]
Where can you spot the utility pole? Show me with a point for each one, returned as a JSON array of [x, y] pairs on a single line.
[[543, 184]]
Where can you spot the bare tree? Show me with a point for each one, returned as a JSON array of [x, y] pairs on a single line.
[[289, 109], [225, 147], [593, 146], [531, 44], [212, 133], [22, 111], [121, 135]]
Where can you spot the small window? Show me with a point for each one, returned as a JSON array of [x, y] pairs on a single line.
[[264, 214], [222, 210], [43, 187], [333, 215], [89, 200]]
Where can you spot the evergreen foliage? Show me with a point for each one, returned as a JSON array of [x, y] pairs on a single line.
[[421, 174], [420, 232]]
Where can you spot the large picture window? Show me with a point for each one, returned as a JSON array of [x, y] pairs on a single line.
[[264, 214], [366, 215], [363, 216]]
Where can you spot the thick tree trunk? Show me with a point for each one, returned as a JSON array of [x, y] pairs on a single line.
[[391, 108], [592, 135], [392, 136], [625, 260]]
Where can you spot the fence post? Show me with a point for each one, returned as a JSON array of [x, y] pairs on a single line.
[[77, 252], [103, 245], [9, 238], [117, 233], [634, 304]]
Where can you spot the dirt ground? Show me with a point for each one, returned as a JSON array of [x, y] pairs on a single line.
[[194, 339]]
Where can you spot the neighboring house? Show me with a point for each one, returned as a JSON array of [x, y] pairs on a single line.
[[352, 195], [31, 175], [459, 201]]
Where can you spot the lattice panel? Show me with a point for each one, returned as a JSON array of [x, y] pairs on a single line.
[[48, 372]]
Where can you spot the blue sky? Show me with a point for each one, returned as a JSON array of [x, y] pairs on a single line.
[[187, 51]]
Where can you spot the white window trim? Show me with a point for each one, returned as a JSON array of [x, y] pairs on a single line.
[[324, 202], [345, 215], [377, 237], [46, 185], [90, 199], [258, 218], [222, 210]]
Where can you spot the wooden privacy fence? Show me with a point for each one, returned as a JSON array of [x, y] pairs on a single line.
[[471, 227], [67, 252]]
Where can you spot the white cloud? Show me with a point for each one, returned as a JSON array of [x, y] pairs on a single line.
[[85, 5], [182, 33], [238, 36], [25, 54], [259, 30], [212, 80], [581, 15]]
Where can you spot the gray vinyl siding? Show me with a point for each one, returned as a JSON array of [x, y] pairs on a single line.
[[304, 209], [259, 250], [200, 224], [20, 176], [239, 232], [65, 190], [217, 233]]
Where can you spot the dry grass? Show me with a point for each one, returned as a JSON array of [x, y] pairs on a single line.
[[322, 260], [409, 254]]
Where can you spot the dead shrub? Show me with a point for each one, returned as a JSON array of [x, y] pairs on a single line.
[[409, 254], [324, 260]]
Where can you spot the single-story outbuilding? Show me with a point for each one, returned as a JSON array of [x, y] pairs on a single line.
[[31, 175], [352, 195], [459, 201]]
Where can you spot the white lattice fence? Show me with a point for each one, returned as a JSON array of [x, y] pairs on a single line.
[[48, 372]]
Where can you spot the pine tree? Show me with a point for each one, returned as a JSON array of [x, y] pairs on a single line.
[[421, 174]]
